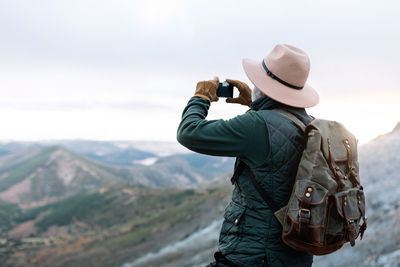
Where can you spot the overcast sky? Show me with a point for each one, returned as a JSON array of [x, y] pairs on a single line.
[[124, 70]]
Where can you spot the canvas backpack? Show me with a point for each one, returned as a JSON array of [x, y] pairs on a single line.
[[327, 206]]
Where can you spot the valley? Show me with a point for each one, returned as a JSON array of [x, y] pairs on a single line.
[[75, 206]]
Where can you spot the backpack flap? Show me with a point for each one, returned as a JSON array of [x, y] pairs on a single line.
[[339, 148]]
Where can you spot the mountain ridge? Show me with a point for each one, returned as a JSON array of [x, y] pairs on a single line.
[[49, 175], [397, 127]]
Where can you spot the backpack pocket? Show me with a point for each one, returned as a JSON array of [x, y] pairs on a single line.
[[305, 218], [350, 206]]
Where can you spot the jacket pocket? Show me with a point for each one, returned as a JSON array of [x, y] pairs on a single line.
[[231, 227], [233, 215], [234, 212]]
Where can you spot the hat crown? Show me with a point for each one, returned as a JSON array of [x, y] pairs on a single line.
[[289, 64]]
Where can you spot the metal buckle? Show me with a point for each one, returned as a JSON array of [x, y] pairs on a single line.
[[305, 210]]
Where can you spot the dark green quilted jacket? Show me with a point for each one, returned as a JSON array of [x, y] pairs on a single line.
[[269, 144]]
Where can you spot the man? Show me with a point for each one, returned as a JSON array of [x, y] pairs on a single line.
[[267, 143]]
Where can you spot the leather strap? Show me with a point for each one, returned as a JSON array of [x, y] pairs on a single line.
[[352, 174], [273, 76], [354, 177], [339, 176], [351, 230], [363, 228], [349, 154]]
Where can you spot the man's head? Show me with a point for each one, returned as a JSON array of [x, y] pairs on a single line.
[[282, 76]]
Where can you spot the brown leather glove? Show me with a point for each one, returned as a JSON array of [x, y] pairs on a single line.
[[244, 97], [208, 89]]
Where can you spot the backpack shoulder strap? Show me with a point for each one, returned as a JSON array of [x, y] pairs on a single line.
[[238, 171], [293, 118]]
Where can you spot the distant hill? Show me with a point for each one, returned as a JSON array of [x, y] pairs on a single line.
[[129, 154], [10, 147], [172, 171], [113, 153], [49, 174], [61, 207], [32, 175], [119, 153], [209, 165]]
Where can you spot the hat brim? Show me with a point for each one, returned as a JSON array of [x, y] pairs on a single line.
[[303, 98]]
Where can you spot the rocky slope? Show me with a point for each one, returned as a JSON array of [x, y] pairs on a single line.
[[35, 175], [60, 208], [108, 226]]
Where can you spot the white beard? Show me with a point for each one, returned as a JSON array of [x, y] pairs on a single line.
[[256, 94]]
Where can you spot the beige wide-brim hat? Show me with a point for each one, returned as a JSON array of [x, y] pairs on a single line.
[[282, 76]]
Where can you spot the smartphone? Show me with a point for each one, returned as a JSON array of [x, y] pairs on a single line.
[[225, 89]]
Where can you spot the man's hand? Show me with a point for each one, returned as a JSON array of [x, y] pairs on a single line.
[[208, 89], [244, 97]]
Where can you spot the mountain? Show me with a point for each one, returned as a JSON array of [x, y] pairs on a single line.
[[37, 174], [169, 172], [49, 174], [209, 165], [136, 217], [113, 153], [52, 197], [131, 215], [8, 212], [11, 147], [119, 153], [130, 154], [58, 207], [108, 226]]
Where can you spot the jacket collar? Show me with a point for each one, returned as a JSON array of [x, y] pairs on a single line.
[[266, 102]]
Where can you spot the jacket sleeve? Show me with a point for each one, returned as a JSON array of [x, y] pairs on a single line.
[[229, 138]]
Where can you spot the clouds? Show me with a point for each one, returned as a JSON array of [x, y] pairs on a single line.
[[186, 34], [103, 32], [108, 54]]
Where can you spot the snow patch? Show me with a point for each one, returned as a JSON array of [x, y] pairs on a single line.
[[146, 161], [192, 241]]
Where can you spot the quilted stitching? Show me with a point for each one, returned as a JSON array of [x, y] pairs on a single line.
[[283, 159]]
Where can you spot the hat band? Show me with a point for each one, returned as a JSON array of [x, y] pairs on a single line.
[[273, 76]]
